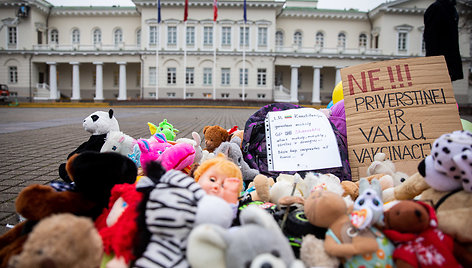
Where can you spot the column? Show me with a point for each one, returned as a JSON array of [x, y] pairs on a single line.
[[294, 84], [338, 74], [98, 81], [315, 99], [52, 80], [122, 85], [75, 81]]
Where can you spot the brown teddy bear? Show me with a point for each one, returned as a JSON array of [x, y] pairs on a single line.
[[413, 226], [61, 240], [214, 136], [94, 175]]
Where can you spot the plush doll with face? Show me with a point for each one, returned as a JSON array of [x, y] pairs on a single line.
[[221, 177]]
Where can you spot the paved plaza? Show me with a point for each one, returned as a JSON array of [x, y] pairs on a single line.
[[34, 141]]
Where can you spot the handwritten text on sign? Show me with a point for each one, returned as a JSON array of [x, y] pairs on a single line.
[[300, 139], [399, 108]]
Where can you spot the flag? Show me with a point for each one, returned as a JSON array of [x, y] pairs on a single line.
[[215, 10], [186, 10], [158, 11], [245, 12]]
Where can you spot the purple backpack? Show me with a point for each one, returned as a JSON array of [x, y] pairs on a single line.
[[254, 144]]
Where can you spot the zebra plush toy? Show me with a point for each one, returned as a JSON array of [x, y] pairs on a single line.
[[172, 206]]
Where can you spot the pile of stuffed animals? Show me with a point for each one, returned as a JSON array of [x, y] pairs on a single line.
[[165, 201]]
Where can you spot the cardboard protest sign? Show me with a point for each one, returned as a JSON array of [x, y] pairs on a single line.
[[300, 139], [399, 108]]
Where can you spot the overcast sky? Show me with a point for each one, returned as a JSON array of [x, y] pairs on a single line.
[[363, 5]]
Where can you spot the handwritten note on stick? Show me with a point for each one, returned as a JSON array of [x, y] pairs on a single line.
[[300, 139]]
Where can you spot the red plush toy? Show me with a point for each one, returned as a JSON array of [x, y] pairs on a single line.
[[412, 226], [117, 224]]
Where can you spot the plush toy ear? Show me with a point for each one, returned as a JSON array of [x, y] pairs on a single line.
[[206, 246], [160, 137], [110, 113], [422, 168], [363, 185], [197, 138], [205, 129], [375, 185]]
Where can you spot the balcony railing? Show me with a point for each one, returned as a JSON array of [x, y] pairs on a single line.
[[329, 50], [96, 47]]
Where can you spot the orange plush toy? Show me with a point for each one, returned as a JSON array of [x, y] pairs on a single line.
[[214, 136]]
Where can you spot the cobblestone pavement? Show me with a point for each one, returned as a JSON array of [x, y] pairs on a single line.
[[34, 141]]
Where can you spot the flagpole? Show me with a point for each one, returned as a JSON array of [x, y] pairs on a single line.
[[185, 59], [244, 60], [157, 46], [244, 49], [214, 63]]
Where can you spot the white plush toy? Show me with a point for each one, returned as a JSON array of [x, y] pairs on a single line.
[[118, 142]]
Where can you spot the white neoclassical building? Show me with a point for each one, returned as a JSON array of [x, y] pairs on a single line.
[[284, 51]]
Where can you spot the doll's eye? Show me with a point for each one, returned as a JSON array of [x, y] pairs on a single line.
[[124, 204], [376, 202], [114, 148], [212, 179], [361, 202]]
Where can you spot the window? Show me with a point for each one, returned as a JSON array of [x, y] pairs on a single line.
[[189, 76], [279, 39], [152, 76], [207, 76], [261, 77], [76, 36], [208, 35], [171, 76], [118, 36], [171, 94], [153, 35], [97, 36], [297, 39], [207, 95], [12, 74], [225, 76], [54, 36], [224, 95], [402, 36], [244, 36], [243, 78], [321, 81], [190, 36], [138, 78], [241, 95], [319, 39], [262, 36], [172, 35], [189, 94], [261, 96], [12, 35], [342, 40], [226, 36], [362, 40], [138, 37]]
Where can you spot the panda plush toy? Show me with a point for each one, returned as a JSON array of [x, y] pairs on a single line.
[[98, 124]]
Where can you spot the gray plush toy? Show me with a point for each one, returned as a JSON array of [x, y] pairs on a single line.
[[233, 152], [256, 243]]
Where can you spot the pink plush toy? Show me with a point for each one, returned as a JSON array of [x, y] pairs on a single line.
[[170, 156]]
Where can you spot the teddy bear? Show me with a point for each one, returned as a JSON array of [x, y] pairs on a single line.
[[98, 124], [94, 175], [61, 240], [243, 246], [172, 205], [412, 225], [117, 224], [233, 151], [214, 136], [351, 242]]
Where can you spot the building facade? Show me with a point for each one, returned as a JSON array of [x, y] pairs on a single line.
[[284, 51]]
